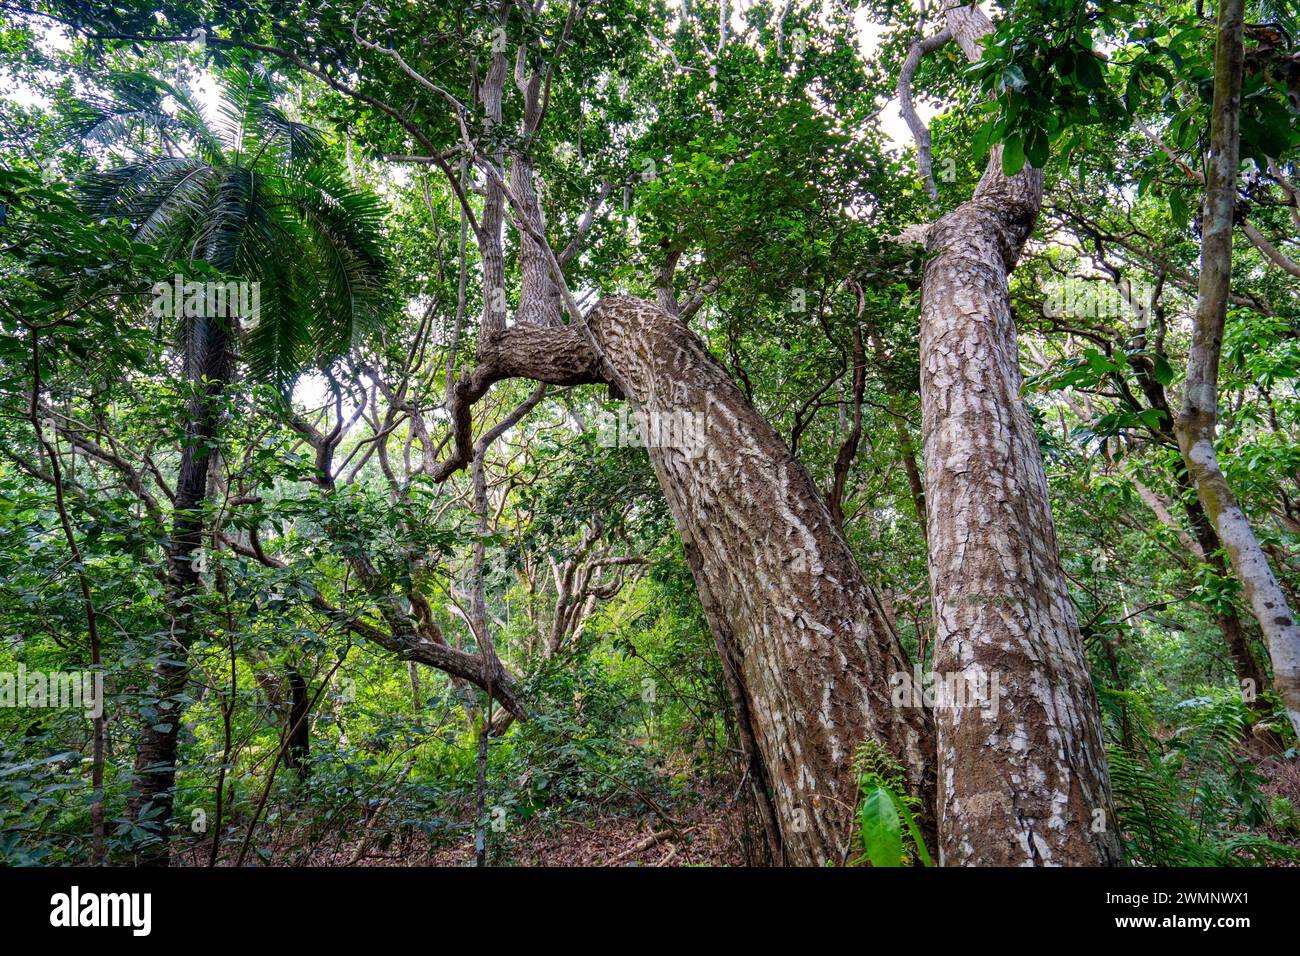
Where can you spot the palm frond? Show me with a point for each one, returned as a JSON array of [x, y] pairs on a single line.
[[279, 341], [183, 199], [293, 141], [342, 227], [1278, 11], [136, 191], [220, 241], [247, 95], [138, 104], [256, 202]]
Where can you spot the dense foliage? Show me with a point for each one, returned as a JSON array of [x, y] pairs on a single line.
[[764, 174]]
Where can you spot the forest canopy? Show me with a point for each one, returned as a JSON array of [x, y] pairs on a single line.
[[604, 432]]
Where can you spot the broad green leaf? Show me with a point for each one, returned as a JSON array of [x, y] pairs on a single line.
[[880, 829], [1178, 209], [1087, 71], [1163, 372], [1013, 155], [1036, 149]]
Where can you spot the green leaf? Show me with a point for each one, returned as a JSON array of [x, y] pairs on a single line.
[[1098, 362], [1163, 372], [881, 832], [980, 142], [1145, 182], [1152, 417], [1087, 72], [1013, 155], [1179, 210], [1036, 149], [917, 840]]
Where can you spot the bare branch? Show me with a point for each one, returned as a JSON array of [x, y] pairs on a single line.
[[920, 132]]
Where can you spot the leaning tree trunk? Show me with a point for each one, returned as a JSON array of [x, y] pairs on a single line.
[[807, 651], [150, 805], [1198, 417], [1022, 776]]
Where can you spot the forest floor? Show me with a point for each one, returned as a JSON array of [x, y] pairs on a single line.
[[704, 836], [706, 831]]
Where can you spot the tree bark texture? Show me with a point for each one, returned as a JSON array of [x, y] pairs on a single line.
[[1022, 776], [808, 649]]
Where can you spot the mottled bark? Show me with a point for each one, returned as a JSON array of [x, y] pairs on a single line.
[[557, 355], [802, 635], [539, 298], [1022, 776], [807, 650], [1198, 418]]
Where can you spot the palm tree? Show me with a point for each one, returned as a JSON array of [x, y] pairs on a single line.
[[251, 196]]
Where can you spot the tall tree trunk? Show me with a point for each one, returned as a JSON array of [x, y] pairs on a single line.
[[1249, 675], [207, 368], [1022, 776], [806, 646], [297, 743], [1198, 418]]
